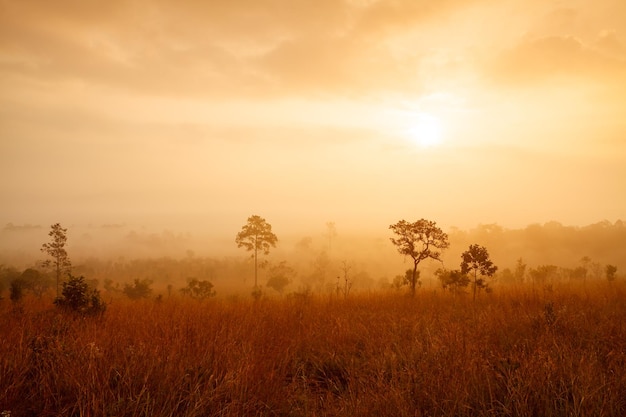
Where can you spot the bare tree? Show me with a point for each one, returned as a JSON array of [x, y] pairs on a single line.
[[347, 283], [419, 240], [56, 249], [256, 235]]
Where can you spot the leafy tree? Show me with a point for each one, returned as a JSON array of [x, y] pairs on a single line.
[[280, 276], [543, 273], [401, 280], [139, 289], [56, 250], [520, 270], [419, 240], [610, 271], [111, 286], [596, 270], [7, 275], [506, 276], [453, 281], [78, 297], [476, 260], [35, 281], [16, 289], [321, 270], [578, 273], [199, 289], [256, 235]]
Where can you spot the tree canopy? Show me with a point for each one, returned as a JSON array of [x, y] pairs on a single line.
[[476, 260], [420, 240], [256, 235], [56, 250]]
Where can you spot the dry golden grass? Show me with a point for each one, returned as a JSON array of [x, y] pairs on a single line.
[[512, 353]]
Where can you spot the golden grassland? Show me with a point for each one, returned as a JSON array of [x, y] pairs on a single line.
[[514, 352]]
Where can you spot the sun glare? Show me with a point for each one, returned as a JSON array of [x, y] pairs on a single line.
[[426, 131]]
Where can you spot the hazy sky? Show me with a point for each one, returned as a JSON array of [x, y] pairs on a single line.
[[360, 112]]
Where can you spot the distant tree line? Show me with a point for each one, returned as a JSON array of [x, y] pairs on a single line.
[[77, 286]]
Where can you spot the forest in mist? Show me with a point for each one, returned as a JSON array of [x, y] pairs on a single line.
[[110, 255]]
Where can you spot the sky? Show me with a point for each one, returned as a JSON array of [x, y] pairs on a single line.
[[193, 115]]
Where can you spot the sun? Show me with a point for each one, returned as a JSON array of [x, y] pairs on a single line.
[[425, 130]]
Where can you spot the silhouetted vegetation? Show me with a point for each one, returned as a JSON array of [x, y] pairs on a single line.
[[611, 271], [420, 240], [141, 288], [545, 341], [256, 235], [199, 289], [79, 298], [476, 261], [60, 261], [280, 276], [518, 353], [454, 281]]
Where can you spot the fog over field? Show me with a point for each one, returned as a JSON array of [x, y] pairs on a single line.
[[122, 253]]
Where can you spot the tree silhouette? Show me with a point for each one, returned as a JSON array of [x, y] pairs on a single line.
[[610, 271], [78, 297], [256, 235], [56, 249], [199, 289], [280, 276], [453, 281], [419, 240], [476, 259], [140, 289]]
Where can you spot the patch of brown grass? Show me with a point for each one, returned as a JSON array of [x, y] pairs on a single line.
[[513, 353]]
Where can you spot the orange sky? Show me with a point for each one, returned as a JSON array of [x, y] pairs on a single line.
[[196, 114]]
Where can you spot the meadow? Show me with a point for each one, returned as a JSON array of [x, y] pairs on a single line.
[[517, 351]]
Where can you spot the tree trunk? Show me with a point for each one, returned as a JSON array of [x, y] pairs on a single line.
[[58, 262], [474, 299], [414, 279], [255, 267]]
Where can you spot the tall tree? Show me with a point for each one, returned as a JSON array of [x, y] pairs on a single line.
[[256, 235], [56, 250], [419, 240], [476, 260]]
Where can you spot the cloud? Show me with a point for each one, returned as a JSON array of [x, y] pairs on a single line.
[[550, 58], [216, 48]]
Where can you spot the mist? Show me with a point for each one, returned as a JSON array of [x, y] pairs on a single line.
[[318, 259]]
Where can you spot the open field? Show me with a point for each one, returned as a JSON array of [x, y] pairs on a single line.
[[514, 352]]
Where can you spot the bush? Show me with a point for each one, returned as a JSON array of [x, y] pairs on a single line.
[[199, 289], [78, 297], [17, 289], [140, 289]]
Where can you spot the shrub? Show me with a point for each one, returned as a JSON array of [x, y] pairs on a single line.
[[139, 289], [199, 289], [78, 297], [17, 289]]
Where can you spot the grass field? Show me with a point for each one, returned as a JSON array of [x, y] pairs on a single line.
[[514, 352]]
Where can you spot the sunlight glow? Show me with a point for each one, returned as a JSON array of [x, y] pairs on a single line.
[[426, 131]]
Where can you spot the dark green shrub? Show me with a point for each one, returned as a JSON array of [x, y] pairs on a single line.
[[78, 297], [16, 289], [139, 289], [199, 289]]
